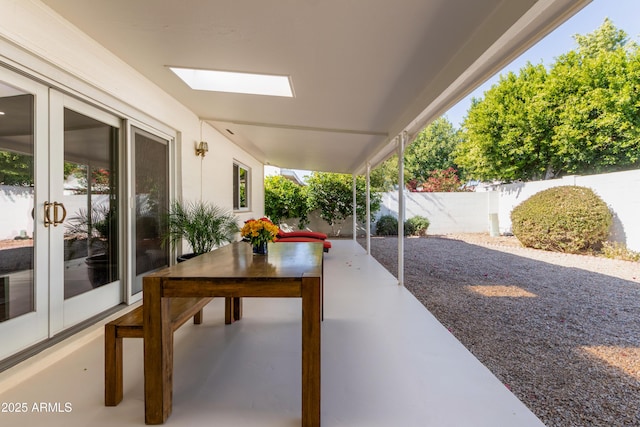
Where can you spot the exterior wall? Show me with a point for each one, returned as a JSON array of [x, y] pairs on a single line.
[[447, 212], [67, 59]]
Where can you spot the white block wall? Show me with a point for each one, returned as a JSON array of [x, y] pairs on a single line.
[[447, 212], [470, 212]]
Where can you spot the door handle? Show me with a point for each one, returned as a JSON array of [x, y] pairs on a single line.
[[57, 221], [47, 218]]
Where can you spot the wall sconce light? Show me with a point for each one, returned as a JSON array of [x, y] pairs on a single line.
[[202, 148]]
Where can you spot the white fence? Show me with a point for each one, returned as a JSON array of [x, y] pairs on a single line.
[[447, 212], [473, 212]]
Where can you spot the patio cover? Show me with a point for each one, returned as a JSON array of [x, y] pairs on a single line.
[[363, 71]]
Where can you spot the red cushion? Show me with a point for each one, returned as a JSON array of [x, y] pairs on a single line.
[[302, 233], [325, 243]]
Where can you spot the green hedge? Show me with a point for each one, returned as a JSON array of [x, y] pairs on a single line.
[[416, 226], [387, 225]]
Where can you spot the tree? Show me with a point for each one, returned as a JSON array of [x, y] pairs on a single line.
[[607, 38], [385, 176], [597, 104], [332, 195], [285, 199], [583, 116], [438, 181], [507, 134], [16, 169], [432, 149]]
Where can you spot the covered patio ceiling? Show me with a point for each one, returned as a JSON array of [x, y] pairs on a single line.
[[363, 71]]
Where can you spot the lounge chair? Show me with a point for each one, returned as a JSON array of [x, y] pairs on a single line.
[[325, 243], [302, 233]]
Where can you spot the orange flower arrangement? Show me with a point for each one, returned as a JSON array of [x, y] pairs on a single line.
[[259, 231]]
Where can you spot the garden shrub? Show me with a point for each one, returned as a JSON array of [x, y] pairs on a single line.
[[617, 250], [416, 226], [562, 219], [387, 225]]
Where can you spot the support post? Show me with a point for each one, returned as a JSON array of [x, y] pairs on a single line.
[[355, 208], [401, 145], [368, 218]]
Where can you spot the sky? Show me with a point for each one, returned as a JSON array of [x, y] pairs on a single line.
[[625, 15]]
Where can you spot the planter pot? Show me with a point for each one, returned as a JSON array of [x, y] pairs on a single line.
[[185, 257], [99, 270]]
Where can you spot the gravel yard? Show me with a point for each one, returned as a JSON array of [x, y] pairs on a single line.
[[561, 331]]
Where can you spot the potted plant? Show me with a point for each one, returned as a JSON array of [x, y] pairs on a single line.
[[97, 226], [203, 225]]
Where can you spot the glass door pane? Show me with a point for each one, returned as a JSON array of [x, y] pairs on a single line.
[[16, 203], [90, 198], [151, 171]]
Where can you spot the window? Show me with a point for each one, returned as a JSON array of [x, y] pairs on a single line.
[[240, 187]]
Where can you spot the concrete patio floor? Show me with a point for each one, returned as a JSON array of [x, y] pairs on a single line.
[[386, 361]]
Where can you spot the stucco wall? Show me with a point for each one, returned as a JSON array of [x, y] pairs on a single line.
[[471, 212], [447, 212]]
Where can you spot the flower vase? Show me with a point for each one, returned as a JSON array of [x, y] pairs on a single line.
[[260, 248]]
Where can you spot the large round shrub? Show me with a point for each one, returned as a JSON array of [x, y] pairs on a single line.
[[387, 225], [562, 219]]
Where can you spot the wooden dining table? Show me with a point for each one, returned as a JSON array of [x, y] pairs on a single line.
[[233, 271]]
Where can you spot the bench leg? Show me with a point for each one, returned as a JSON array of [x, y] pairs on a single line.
[[112, 366]]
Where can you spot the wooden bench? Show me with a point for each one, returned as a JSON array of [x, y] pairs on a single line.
[[130, 324]]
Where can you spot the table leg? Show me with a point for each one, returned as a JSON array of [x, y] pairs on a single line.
[[232, 309], [237, 308], [158, 353], [311, 340]]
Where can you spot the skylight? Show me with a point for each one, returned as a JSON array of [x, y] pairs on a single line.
[[227, 81]]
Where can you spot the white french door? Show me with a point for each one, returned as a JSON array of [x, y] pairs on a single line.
[[85, 235], [60, 222], [24, 241]]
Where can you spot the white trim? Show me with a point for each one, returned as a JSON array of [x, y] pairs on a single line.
[[247, 187]]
